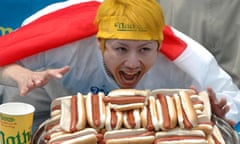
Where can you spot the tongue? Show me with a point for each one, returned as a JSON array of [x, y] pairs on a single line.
[[128, 77]]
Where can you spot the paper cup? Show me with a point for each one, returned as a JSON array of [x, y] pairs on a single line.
[[16, 121]]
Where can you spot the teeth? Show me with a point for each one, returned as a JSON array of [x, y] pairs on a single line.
[[130, 73]]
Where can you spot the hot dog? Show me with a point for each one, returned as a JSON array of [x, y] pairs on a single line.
[[56, 106], [176, 115], [114, 119], [216, 137], [202, 108], [132, 119], [51, 127], [180, 136], [207, 127], [87, 135], [149, 115], [206, 102], [170, 92], [201, 105], [197, 102], [54, 132], [73, 116], [129, 136], [166, 111], [95, 109], [52, 122], [187, 117], [127, 99]]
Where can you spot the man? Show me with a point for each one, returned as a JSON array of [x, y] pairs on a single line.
[[133, 49]]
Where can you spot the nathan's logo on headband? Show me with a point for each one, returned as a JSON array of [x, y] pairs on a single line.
[[120, 26]]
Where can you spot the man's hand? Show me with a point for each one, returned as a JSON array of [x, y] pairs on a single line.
[[219, 108], [30, 80]]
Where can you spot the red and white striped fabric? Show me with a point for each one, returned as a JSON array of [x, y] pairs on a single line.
[[51, 30], [63, 23], [60, 24]]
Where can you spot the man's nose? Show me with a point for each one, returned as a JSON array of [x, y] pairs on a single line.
[[133, 61]]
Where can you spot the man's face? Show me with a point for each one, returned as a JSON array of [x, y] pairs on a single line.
[[129, 60]]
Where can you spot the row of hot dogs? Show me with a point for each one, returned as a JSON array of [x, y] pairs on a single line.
[[132, 116]]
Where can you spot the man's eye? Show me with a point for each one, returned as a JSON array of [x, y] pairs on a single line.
[[121, 49], [145, 49]]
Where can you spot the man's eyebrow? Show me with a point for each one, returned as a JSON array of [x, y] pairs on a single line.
[[145, 43], [122, 43]]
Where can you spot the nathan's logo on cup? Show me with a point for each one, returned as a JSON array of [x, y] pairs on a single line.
[[20, 138], [129, 27], [16, 123], [6, 118]]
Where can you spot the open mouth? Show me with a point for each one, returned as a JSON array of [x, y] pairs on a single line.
[[129, 79]]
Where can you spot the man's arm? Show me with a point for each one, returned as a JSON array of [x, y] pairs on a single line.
[[7, 74], [25, 79]]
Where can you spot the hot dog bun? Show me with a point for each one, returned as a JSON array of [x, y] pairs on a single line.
[[198, 103], [215, 137], [164, 116], [180, 136], [54, 132], [95, 109], [131, 140], [206, 102], [187, 117], [114, 119], [149, 115], [127, 92], [52, 122], [56, 105], [207, 127], [201, 105], [129, 136], [51, 127], [73, 116], [170, 92], [127, 99], [132, 119], [87, 135], [166, 111]]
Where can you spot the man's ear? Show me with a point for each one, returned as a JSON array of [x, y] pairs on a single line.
[[101, 44], [159, 46], [98, 42]]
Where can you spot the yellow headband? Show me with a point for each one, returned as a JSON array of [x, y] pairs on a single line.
[[119, 27]]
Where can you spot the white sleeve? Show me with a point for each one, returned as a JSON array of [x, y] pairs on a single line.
[[201, 65]]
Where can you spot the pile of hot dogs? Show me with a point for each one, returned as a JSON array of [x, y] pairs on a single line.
[[129, 116]]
